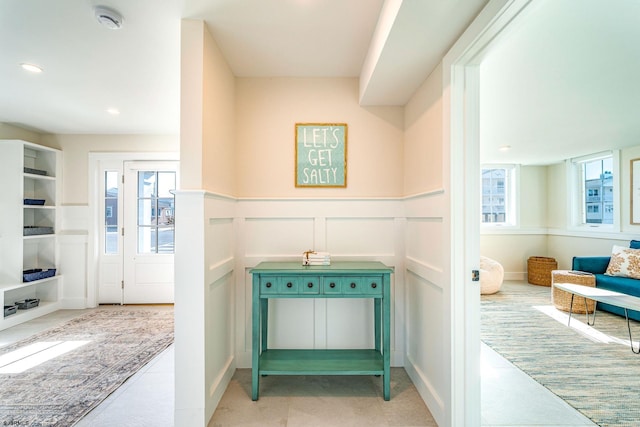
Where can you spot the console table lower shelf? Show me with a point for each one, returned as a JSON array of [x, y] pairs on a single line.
[[321, 362]]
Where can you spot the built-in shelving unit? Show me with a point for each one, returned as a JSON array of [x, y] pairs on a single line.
[[29, 173]]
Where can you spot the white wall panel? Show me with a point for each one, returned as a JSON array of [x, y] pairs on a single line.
[[426, 306], [291, 323], [354, 330], [278, 236], [73, 265], [220, 244], [423, 238], [361, 236]]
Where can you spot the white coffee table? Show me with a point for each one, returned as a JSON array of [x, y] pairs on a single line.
[[625, 301]]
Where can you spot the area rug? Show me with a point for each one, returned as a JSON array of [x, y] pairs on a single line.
[[102, 349], [599, 379]]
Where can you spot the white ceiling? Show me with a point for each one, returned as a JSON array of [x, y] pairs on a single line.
[[89, 68], [562, 84]]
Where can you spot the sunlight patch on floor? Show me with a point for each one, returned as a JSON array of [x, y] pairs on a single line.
[[580, 326], [35, 354]]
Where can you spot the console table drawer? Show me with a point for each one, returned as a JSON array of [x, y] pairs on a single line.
[[289, 285], [269, 285], [362, 285]]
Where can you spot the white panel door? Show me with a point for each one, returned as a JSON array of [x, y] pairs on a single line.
[[148, 234]]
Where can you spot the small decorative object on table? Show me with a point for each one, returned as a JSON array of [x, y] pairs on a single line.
[[562, 300], [316, 258], [539, 270]]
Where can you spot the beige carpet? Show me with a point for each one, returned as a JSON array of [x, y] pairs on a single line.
[[103, 349]]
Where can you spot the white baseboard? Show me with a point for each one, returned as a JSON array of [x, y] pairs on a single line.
[[73, 303], [515, 275]]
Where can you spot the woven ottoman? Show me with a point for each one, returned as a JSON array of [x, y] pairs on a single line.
[[562, 300]]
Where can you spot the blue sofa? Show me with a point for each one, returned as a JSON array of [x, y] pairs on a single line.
[[598, 265]]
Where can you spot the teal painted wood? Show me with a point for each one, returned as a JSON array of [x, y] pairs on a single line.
[[321, 362], [255, 336], [368, 279]]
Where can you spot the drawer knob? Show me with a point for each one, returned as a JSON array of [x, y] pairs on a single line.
[[332, 285], [374, 285], [353, 285], [289, 285], [310, 285], [268, 284]]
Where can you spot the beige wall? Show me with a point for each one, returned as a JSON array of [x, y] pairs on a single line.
[[557, 196], [75, 154], [269, 108], [422, 168], [533, 196], [207, 105], [219, 124], [8, 131]]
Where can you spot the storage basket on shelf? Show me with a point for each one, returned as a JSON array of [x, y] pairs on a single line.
[[539, 270]]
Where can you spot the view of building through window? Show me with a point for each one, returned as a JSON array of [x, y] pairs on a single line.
[[597, 177], [494, 184]]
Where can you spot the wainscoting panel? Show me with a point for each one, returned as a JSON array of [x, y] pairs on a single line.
[[278, 236], [363, 236], [72, 263], [281, 230], [427, 291]]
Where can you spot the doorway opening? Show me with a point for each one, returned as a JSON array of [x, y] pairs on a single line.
[[133, 224]]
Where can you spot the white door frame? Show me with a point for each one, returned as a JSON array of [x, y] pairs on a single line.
[[462, 182], [94, 208]]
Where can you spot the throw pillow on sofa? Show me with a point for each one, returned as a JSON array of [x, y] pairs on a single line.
[[625, 262]]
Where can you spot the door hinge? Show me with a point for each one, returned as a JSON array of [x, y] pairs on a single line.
[[123, 179], [122, 284], [123, 231], [475, 275]]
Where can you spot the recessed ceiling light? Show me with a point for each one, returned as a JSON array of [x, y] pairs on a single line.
[[113, 111], [31, 67], [504, 148]]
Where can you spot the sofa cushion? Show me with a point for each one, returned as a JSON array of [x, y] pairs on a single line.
[[625, 262], [634, 244], [591, 264]]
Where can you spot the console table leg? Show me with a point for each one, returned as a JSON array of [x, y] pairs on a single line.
[[255, 340], [386, 339], [377, 309]]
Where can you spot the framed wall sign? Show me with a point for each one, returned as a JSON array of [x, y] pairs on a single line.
[[635, 191], [321, 154]]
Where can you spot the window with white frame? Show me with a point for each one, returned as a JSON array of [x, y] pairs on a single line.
[[594, 188], [499, 195]]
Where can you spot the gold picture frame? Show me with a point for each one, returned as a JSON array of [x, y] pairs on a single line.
[[321, 155]]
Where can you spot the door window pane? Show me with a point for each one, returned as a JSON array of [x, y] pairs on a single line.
[[156, 206], [111, 212]]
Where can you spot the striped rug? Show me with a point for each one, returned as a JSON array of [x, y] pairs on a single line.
[[591, 368]]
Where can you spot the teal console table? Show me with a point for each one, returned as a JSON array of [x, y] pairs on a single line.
[[338, 280]]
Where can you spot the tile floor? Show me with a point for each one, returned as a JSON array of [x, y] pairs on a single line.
[[509, 397]]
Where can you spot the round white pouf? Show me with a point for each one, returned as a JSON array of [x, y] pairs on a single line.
[[491, 275]]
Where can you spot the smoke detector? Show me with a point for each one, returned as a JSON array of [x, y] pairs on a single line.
[[109, 17]]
